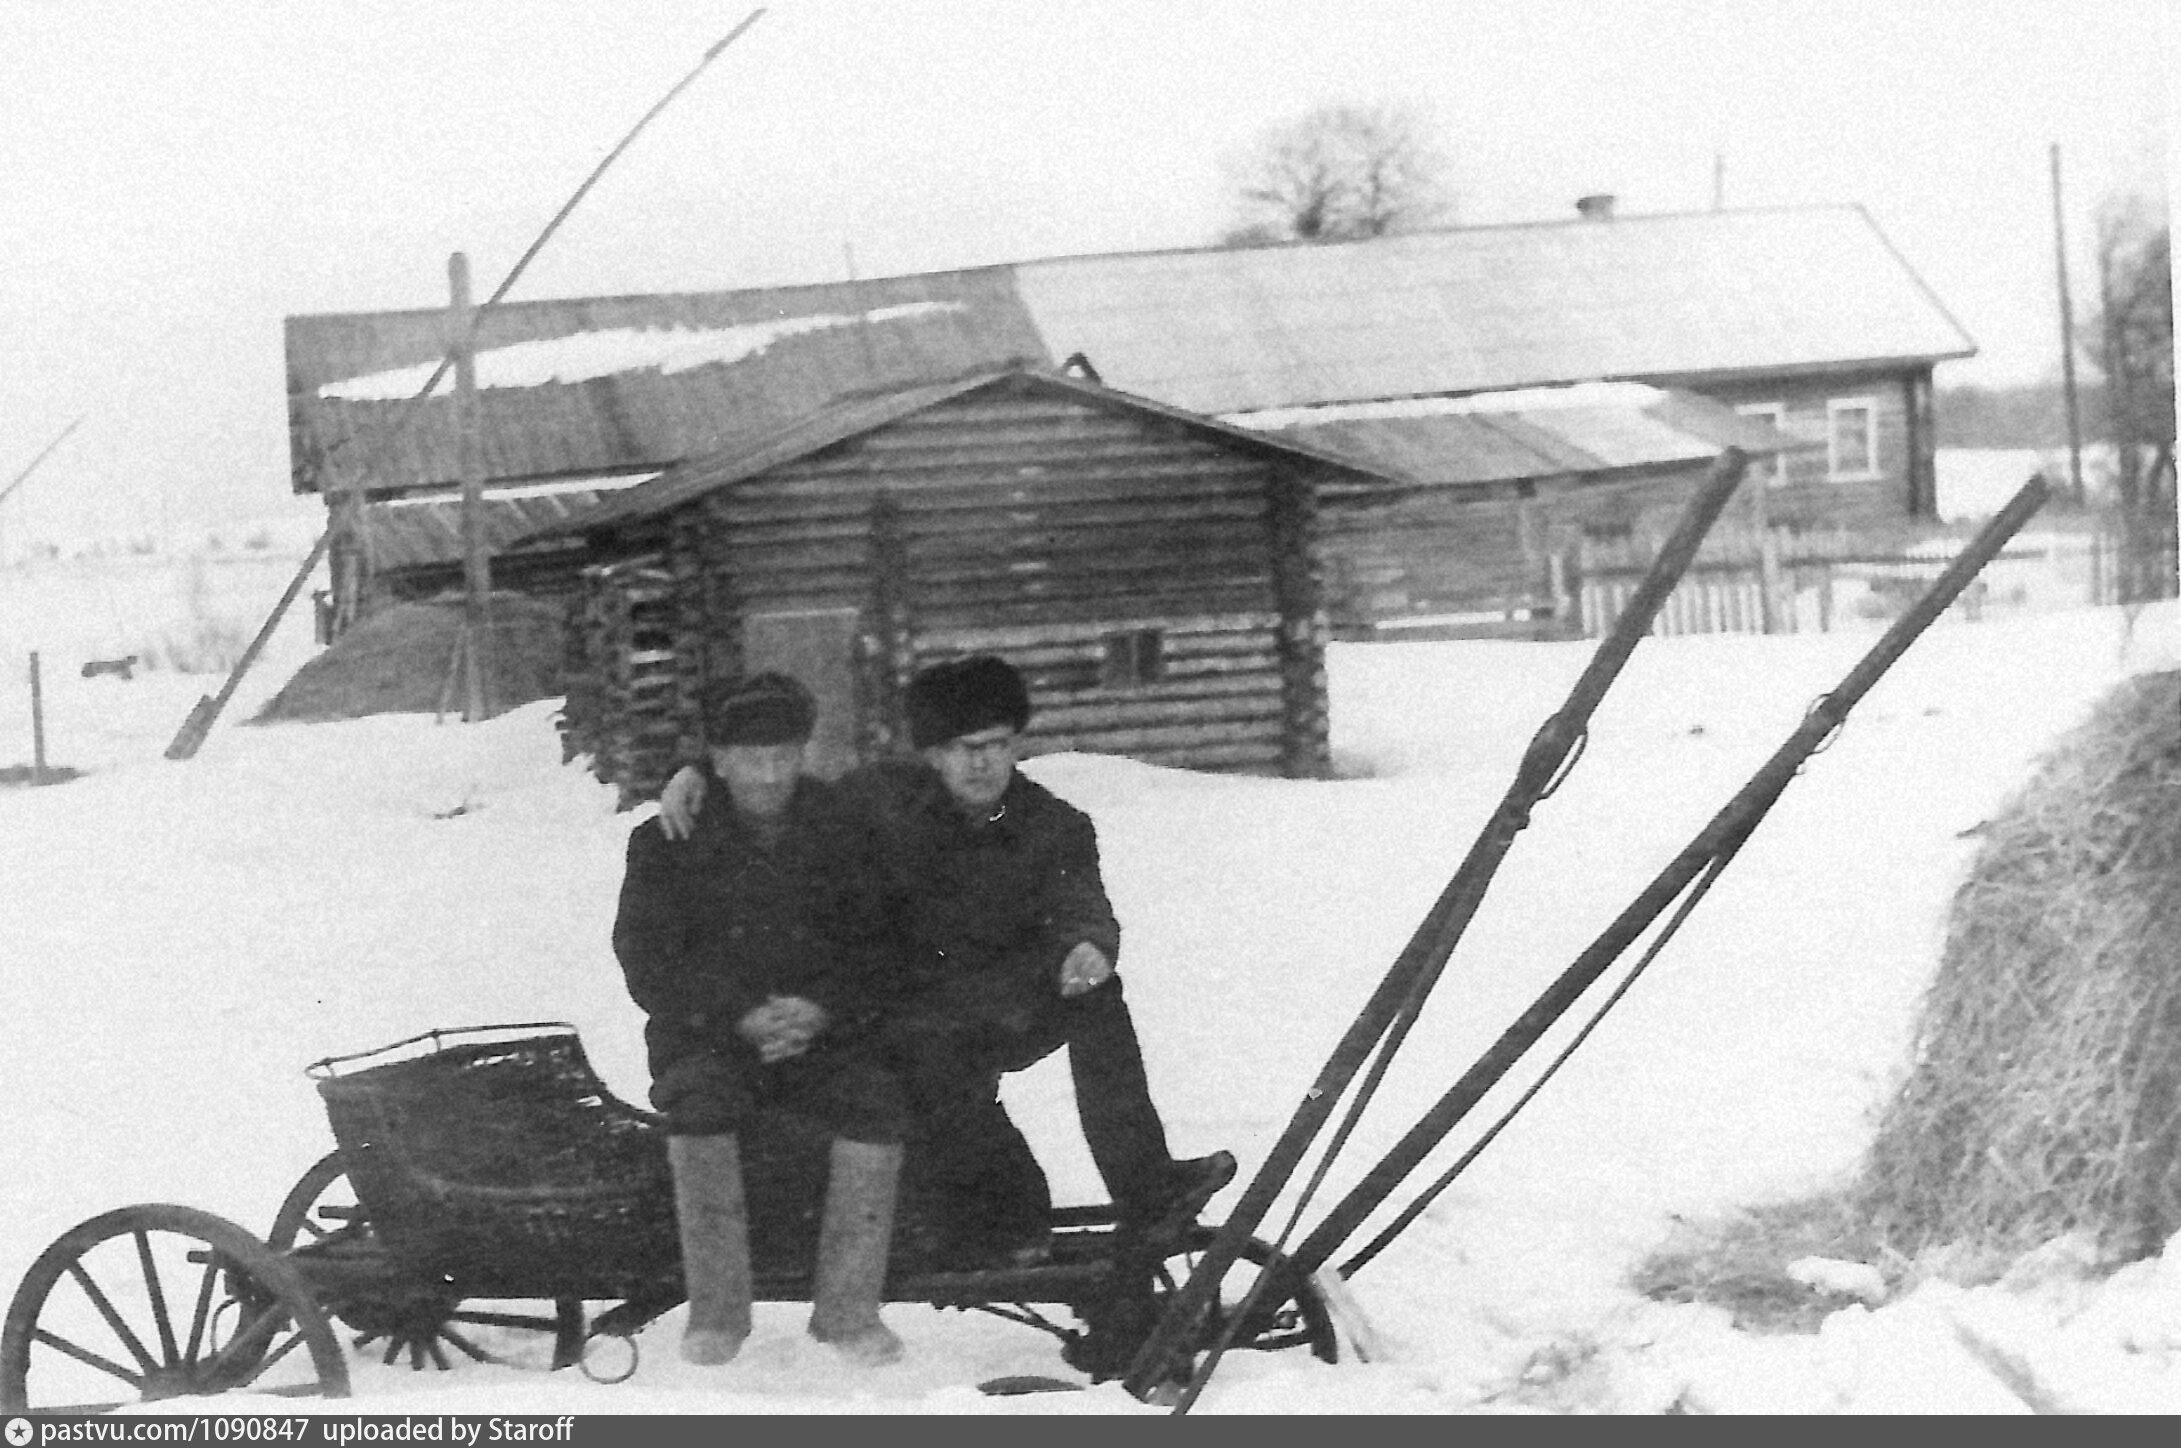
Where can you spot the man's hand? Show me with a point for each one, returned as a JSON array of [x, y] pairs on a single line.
[[681, 802], [1085, 969], [783, 1026]]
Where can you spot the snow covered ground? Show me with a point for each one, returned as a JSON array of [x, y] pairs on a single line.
[[182, 939]]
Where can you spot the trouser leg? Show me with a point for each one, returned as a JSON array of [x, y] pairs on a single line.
[[1122, 1127], [984, 1181]]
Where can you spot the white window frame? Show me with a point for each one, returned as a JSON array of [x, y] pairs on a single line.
[[1846, 470], [1774, 468]]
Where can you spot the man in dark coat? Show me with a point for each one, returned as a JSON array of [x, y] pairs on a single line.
[[753, 1003], [1008, 944]]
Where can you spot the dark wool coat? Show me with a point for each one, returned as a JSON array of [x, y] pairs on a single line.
[[709, 927], [984, 912]]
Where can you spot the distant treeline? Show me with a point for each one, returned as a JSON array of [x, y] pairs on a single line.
[[2028, 415]]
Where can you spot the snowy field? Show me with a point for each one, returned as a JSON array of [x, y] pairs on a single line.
[[183, 939]]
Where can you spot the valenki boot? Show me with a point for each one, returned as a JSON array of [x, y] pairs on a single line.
[[713, 1218], [855, 1237]]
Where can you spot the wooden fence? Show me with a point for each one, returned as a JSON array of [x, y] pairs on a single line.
[[1745, 582]]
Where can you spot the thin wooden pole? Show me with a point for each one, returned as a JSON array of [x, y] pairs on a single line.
[[476, 560], [191, 736], [37, 722], [2067, 340], [32, 466]]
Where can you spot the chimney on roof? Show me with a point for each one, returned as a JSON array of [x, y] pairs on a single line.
[[1595, 208]]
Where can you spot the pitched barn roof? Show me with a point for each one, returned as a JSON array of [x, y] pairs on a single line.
[[1685, 296], [1531, 434], [762, 449], [639, 383]]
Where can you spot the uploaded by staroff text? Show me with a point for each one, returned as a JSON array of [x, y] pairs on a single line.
[[335, 1432]]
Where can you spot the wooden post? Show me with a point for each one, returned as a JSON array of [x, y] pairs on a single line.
[[37, 722], [2067, 341], [1298, 587], [476, 560]]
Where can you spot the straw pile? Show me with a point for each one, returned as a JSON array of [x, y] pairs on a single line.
[[2044, 1096], [401, 660]]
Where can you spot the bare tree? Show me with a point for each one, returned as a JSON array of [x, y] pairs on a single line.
[[1338, 173], [2134, 353]]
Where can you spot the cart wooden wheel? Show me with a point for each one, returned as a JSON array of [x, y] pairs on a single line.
[[152, 1302], [1290, 1312], [420, 1322]]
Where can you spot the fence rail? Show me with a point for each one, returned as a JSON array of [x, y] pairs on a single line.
[[1828, 582]]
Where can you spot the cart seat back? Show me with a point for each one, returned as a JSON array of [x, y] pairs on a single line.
[[496, 1158]]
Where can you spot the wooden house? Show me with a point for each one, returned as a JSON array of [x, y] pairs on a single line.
[[1804, 317], [1508, 495], [1155, 574]]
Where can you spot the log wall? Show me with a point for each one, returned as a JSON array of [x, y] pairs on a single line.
[[1157, 584]]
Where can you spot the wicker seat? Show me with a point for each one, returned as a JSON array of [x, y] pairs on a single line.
[[494, 1159]]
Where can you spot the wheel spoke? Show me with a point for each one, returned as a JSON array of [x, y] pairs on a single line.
[[252, 1338], [88, 1358], [157, 1293], [476, 1353], [202, 1315], [105, 1308], [294, 1339]]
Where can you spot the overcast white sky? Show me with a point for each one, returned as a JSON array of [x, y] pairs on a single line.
[[182, 174]]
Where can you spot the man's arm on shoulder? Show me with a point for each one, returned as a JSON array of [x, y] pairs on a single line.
[[682, 801], [651, 920]]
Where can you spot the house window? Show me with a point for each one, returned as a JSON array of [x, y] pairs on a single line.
[[1851, 438], [1133, 659], [1771, 470]]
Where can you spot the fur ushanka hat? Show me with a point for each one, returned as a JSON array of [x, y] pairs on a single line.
[[964, 696]]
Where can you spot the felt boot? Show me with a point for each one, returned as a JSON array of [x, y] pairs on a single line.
[[854, 1238], [713, 1217]]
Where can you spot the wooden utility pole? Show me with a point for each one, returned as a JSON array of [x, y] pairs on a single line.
[[2067, 341], [476, 559], [37, 722]]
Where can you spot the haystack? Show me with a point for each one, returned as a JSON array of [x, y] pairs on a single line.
[[2044, 1096], [401, 660]]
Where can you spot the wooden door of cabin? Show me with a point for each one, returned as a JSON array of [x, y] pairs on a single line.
[[817, 646]]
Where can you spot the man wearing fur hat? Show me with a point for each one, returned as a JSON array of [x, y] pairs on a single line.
[[751, 1007], [1008, 946]]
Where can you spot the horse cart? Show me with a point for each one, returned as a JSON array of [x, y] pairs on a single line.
[[488, 1198]]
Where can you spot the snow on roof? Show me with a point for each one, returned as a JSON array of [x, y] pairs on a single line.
[[1626, 395], [585, 355], [551, 489]]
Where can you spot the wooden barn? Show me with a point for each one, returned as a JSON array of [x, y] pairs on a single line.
[[1155, 574]]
